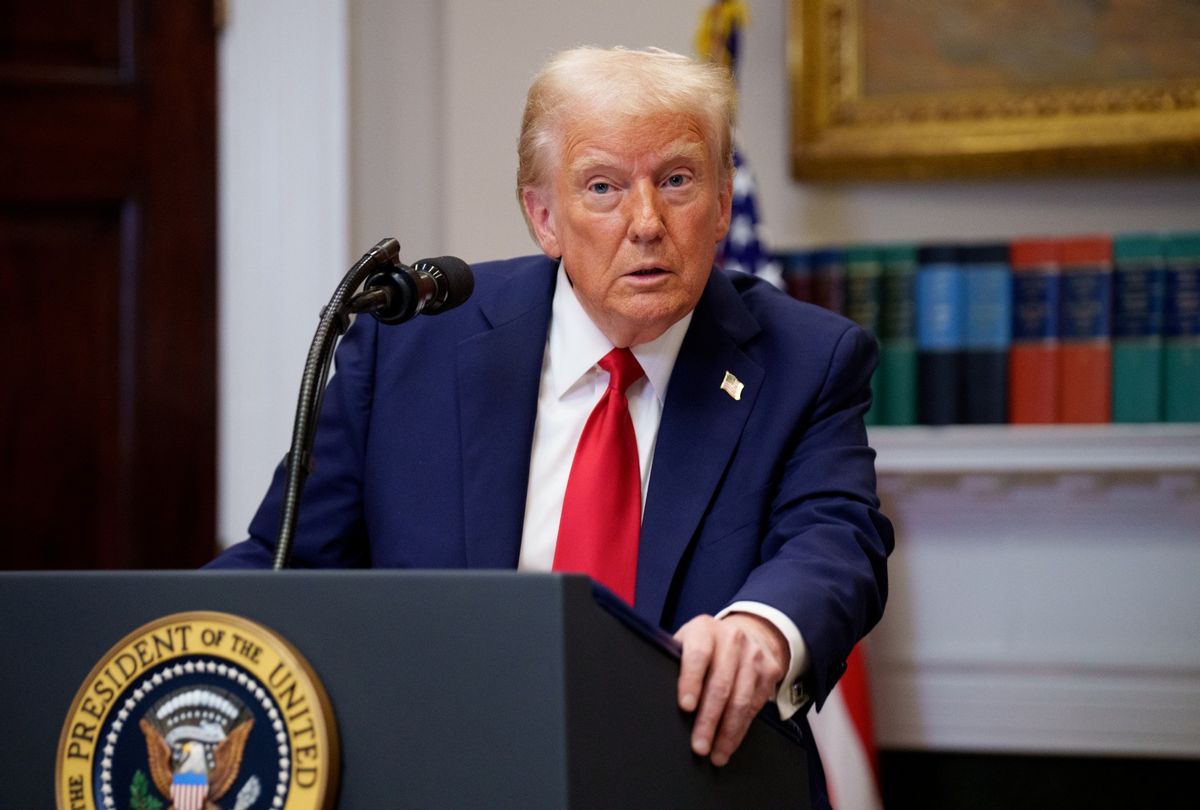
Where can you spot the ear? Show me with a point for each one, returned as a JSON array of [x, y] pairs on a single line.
[[725, 201], [541, 220]]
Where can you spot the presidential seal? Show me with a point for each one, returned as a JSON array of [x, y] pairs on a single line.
[[199, 711]]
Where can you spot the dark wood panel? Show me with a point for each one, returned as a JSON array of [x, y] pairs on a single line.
[[62, 437], [69, 144], [112, 186], [53, 40], [176, 407]]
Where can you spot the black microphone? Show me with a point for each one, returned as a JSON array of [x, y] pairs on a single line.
[[400, 293]]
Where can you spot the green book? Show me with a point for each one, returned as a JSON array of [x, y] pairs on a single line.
[[1181, 345], [1139, 285], [862, 305], [897, 372]]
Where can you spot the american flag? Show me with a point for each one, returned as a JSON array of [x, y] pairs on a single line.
[[845, 739], [744, 248]]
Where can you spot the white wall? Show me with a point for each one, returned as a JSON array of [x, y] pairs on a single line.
[[343, 121], [282, 196], [397, 114]]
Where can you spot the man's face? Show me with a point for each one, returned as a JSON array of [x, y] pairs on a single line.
[[635, 208]]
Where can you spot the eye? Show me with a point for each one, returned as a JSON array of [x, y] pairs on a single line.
[[677, 180], [600, 187]]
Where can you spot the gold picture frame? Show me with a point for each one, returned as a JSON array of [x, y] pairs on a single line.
[[875, 95]]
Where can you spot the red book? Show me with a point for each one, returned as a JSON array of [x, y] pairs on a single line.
[[1033, 382], [1085, 330]]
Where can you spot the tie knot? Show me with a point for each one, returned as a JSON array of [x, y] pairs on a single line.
[[623, 369]]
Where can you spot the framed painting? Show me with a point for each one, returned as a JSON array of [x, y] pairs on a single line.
[[888, 89]]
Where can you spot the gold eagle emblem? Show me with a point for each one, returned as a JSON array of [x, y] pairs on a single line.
[[165, 770]]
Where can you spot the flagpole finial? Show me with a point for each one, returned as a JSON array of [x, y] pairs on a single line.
[[720, 29]]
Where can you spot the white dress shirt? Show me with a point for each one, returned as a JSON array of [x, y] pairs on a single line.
[[571, 385]]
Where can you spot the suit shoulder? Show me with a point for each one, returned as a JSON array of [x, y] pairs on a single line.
[[498, 271]]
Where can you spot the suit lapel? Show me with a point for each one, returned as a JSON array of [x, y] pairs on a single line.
[[700, 428], [498, 374]]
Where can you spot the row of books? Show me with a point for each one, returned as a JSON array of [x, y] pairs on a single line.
[[1049, 330]]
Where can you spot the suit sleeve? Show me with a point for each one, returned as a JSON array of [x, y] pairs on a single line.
[[826, 543], [330, 532]]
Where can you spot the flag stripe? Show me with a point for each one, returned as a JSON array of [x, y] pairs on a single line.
[[857, 694], [846, 755], [189, 796]]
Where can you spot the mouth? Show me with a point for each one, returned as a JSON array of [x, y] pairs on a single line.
[[648, 272]]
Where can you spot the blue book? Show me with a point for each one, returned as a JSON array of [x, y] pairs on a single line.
[[988, 289], [941, 335]]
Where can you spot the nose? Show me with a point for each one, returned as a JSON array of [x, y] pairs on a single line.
[[645, 214]]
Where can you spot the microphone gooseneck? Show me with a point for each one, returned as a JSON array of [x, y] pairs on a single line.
[[430, 286]]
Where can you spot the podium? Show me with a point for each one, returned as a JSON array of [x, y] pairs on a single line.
[[450, 689]]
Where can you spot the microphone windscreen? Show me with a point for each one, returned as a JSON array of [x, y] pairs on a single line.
[[457, 277]]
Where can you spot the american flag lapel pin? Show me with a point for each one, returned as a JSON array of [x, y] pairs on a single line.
[[732, 385]]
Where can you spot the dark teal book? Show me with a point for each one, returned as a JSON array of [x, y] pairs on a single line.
[[988, 332], [863, 274], [898, 335], [941, 335], [1182, 339], [1139, 296]]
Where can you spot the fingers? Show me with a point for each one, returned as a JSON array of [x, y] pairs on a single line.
[[698, 644], [753, 687], [718, 686], [729, 669]]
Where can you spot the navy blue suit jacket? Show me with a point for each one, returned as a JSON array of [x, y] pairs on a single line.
[[422, 457]]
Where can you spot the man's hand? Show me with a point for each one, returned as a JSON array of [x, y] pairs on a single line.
[[730, 668]]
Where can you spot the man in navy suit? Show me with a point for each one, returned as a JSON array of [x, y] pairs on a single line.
[[447, 444]]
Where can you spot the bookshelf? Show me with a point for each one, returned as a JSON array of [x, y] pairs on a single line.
[[1036, 449]]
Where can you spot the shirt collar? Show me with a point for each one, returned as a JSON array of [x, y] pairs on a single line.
[[576, 344]]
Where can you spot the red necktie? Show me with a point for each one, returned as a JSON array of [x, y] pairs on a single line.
[[602, 509]]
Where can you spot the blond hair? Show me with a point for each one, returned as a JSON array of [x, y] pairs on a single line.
[[634, 84]]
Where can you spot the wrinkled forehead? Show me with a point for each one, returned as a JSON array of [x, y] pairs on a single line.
[[589, 132]]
